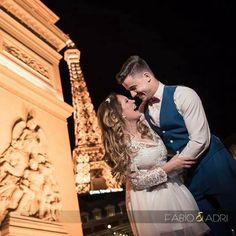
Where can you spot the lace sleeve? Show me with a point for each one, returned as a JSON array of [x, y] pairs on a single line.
[[144, 180]]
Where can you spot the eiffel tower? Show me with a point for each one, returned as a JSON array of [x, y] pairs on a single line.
[[91, 170]]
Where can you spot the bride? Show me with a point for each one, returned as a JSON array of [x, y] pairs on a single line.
[[157, 202]]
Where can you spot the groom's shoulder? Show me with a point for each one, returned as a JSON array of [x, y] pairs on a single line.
[[185, 88], [180, 87], [185, 91], [177, 86]]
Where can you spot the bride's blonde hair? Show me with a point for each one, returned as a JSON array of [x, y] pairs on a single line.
[[116, 141]]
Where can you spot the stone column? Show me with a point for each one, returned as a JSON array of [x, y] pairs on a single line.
[[36, 171]]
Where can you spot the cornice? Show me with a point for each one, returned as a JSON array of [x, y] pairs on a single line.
[[13, 83], [37, 18]]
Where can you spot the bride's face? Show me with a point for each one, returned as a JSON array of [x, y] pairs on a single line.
[[129, 109]]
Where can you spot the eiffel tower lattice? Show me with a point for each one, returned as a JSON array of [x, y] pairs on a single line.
[[91, 171]]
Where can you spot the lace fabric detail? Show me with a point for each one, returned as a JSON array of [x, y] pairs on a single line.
[[144, 149], [138, 145], [149, 179], [145, 168]]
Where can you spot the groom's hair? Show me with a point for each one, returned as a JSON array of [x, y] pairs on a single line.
[[133, 65]]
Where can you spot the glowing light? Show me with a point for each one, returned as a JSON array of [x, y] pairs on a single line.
[[89, 152]]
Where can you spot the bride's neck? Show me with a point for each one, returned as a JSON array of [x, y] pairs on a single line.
[[132, 130]]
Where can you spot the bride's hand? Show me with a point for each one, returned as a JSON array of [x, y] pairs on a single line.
[[178, 163]]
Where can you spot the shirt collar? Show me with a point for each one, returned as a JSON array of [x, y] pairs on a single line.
[[159, 92]]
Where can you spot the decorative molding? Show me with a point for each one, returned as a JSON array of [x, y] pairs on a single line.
[[35, 95], [27, 15], [31, 62], [15, 224]]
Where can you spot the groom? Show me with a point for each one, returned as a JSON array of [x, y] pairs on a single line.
[[176, 114]]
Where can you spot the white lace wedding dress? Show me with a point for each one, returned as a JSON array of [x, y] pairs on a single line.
[[157, 204]]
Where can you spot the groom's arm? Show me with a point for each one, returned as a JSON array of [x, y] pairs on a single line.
[[190, 107]]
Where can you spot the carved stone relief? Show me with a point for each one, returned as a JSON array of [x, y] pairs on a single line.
[[27, 183], [29, 61]]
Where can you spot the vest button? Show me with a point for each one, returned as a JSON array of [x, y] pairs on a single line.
[[171, 141], [163, 131]]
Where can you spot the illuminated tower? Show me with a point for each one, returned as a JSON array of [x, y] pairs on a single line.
[[91, 171]]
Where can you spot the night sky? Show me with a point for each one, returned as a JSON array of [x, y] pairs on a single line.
[[190, 43]]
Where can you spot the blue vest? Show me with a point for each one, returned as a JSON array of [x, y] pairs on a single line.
[[172, 128]]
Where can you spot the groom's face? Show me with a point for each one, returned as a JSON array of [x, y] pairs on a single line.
[[138, 85]]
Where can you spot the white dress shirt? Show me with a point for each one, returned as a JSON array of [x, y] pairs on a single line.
[[190, 107]]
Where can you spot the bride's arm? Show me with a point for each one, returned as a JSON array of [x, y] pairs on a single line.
[[145, 179], [141, 180]]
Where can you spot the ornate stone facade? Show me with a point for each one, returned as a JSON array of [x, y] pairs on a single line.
[[36, 169], [27, 182]]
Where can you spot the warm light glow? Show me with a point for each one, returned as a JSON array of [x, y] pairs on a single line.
[[28, 75], [89, 152]]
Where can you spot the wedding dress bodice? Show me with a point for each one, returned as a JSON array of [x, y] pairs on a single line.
[[147, 162], [149, 153]]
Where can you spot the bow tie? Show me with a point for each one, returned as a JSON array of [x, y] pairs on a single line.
[[153, 100]]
